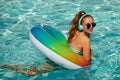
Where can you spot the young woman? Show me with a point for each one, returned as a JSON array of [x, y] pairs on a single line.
[[79, 34], [78, 41]]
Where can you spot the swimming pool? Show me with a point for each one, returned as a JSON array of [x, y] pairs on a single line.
[[19, 16]]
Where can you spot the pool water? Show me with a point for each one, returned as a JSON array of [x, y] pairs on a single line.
[[17, 17]]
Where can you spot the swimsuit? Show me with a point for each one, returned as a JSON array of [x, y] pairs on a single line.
[[75, 50]]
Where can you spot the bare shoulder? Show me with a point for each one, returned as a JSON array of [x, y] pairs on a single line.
[[86, 41]]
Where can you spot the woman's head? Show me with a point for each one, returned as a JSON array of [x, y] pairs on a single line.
[[81, 22], [86, 23]]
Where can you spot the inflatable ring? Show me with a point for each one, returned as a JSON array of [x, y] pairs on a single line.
[[52, 43]]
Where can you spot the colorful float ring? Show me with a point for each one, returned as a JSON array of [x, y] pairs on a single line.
[[52, 44]]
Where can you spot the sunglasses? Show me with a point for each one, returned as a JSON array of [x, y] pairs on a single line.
[[89, 25]]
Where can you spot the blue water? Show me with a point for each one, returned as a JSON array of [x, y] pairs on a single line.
[[17, 17]]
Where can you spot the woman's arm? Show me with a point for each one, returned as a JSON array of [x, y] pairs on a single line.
[[86, 50]]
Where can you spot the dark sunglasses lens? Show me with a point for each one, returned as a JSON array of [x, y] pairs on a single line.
[[93, 24], [88, 26]]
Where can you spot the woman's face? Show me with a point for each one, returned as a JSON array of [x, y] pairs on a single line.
[[88, 24]]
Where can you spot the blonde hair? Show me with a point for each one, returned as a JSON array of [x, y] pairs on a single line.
[[74, 25]]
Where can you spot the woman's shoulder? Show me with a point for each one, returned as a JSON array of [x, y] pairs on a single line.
[[86, 39]]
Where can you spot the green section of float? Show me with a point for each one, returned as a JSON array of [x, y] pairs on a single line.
[[55, 34]]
